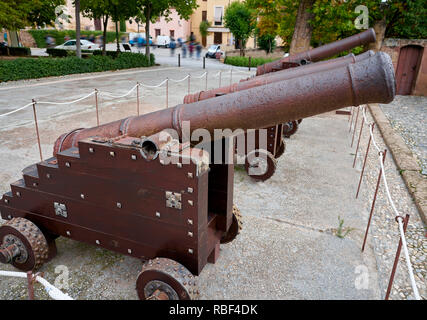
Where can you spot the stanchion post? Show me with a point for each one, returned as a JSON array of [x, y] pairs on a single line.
[[189, 80], [137, 98], [351, 121], [355, 126], [30, 284], [249, 63], [167, 92], [358, 143], [396, 258], [179, 59], [364, 161], [96, 106], [204, 62], [373, 203], [37, 130]]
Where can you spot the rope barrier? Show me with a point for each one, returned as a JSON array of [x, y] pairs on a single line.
[[183, 79], [120, 96], [11, 112], [398, 216]]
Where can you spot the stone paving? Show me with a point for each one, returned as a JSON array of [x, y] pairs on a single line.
[[408, 116]]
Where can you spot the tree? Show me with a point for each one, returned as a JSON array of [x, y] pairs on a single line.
[[267, 42], [150, 10], [303, 29], [203, 28], [240, 19], [78, 47]]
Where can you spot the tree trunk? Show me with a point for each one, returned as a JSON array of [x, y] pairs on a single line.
[[302, 32], [78, 48], [104, 37], [147, 32], [380, 29], [117, 37]]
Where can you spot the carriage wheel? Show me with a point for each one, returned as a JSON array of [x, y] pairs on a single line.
[[290, 128], [23, 244], [236, 226], [166, 279], [260, 164]]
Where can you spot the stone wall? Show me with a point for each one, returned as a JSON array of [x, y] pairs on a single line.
[[393, 46]]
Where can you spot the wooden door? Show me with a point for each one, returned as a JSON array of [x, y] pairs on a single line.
[[407, 68]]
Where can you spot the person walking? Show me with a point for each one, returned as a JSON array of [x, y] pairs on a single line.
[[191, 49], [172, 46], [184, 50], [198, 50]]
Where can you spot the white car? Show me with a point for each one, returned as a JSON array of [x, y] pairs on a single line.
[[84, 44], [163, 41]]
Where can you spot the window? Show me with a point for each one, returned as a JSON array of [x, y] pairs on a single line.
[[157, 32], [218, 14], [172, 33], [204, 15]]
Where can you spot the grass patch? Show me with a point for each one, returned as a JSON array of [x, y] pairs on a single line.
[[25, 68], [244, 61]]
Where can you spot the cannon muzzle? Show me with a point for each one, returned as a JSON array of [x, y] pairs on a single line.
[[368, 81], [322, 52]]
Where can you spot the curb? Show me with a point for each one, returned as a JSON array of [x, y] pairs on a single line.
[[405, 161]]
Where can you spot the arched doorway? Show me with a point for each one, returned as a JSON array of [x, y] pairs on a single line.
[[407, 68]]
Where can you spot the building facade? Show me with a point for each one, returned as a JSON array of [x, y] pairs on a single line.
[[213, 11]]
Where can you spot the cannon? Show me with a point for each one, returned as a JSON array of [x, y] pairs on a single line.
[[111, 186], [275, 145]]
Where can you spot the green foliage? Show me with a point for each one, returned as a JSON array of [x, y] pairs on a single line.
[[17, 14], [15, 51], [59, 35], [267, 42], [24, 68], [203, 28], [342, 232], [240, 19], [244, 61]]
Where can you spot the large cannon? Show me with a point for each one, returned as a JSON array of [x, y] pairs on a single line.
[[111, 186], [275, 146]]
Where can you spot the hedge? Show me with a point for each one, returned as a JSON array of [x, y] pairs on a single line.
[[244, 61], [24, 68], [59, 35], [15, 51]]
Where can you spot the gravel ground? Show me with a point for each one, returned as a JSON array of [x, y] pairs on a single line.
[[384, 233], [408, 116]]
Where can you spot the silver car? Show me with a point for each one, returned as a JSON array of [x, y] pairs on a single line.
[[84, 44]]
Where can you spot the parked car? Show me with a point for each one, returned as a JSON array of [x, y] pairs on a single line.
[[213, 50], [84, 45], [163, 41], [133, 39]]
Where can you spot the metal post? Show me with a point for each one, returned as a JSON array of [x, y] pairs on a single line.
[[189, 79], [167, 92], [137, 98], [179, 59], [355, 125], [204, 62], [206, 84], [231, 76], [396, 259], [96, 105], [249, 64], [364, 161], [220, 79], [30, 282], [373, 204], [358, 143], [37, 130]]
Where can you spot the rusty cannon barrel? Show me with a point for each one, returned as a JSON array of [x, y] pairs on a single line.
[[322, 52], [278, 76], [368, 81]]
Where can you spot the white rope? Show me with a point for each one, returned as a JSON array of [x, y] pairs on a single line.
[[66, 103], [16, 110], [159, 85], [200, 77], [54, 292], [396, 212], [402, 233], [183, 79], [119, 96]]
